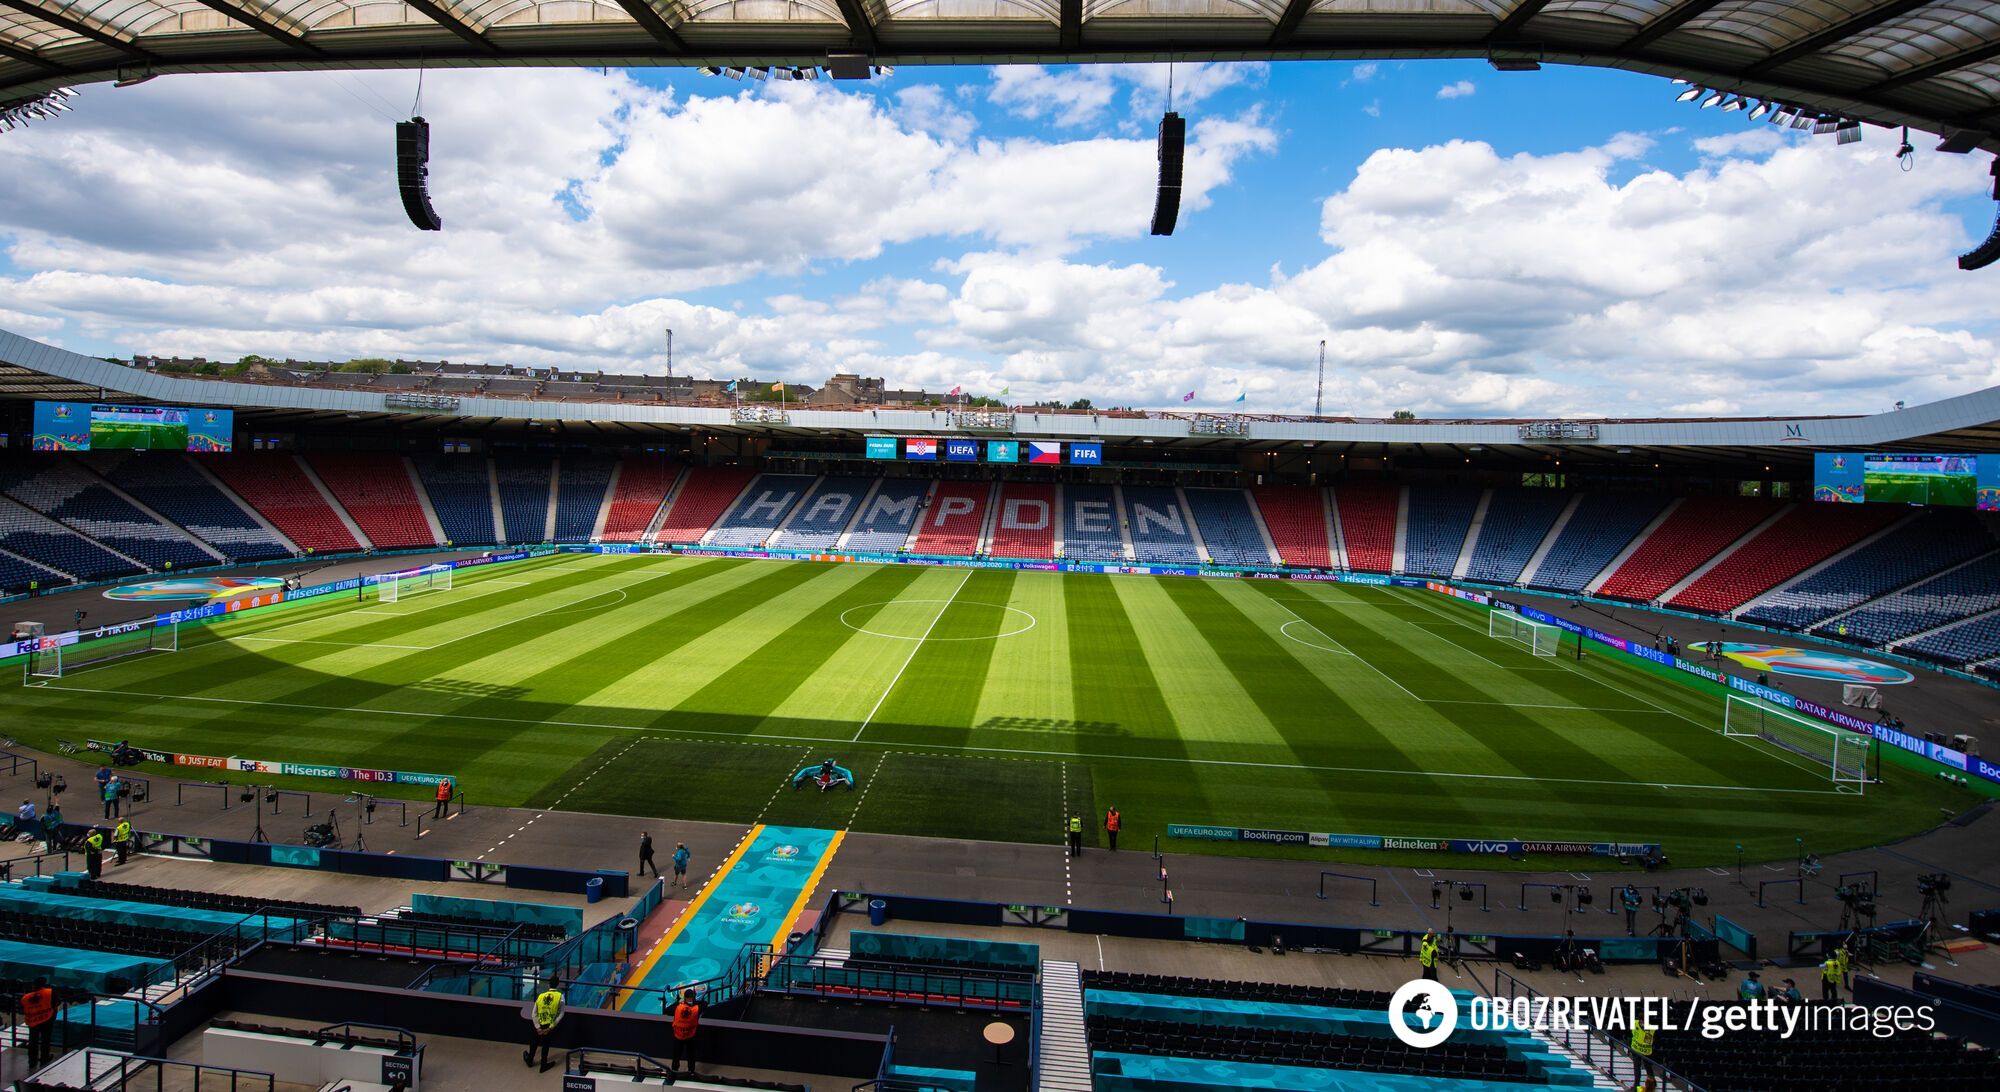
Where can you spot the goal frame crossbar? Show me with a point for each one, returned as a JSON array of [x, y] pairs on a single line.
[[48, 664], [1843, 754], [1541, 638], [395, 587]]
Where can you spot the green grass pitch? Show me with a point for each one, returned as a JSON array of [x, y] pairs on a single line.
[[979, 704]]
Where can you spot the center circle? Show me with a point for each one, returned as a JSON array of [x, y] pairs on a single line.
[[911, 619]]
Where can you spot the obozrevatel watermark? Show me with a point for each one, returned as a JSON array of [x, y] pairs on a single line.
[[1423, 1014]]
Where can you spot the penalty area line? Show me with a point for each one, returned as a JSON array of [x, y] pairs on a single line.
[[921, 748]]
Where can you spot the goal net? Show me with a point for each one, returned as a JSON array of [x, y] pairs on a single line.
[[1542, 639], [54, 662], [395, 587], [1844, 753]]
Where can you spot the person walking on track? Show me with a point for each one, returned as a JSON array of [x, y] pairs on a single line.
[[646, 854]]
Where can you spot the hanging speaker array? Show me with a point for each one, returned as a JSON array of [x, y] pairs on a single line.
[[1167, 203], [413, 171]]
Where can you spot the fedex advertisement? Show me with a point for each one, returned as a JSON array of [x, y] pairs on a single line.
[[961, 451], [1086, 454], [1044, 451], [925, 450]]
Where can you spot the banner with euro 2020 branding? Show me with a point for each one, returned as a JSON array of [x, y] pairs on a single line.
[[236, 764], [1507, 847]]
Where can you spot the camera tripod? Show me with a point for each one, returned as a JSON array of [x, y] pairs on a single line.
[[1931, 936]]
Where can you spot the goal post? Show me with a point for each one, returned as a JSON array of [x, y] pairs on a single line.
[[1843, 753], [56, 661], [395, 587], [1542, 639]]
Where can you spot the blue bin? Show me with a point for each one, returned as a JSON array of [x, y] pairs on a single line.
[[878, 912], [593, 889]]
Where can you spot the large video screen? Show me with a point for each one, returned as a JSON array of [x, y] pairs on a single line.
[[83, 426], [1953, 481]]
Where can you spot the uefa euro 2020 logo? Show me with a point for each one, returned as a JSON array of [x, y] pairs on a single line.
[[742, 911], [784, 853], [1422, 1013]]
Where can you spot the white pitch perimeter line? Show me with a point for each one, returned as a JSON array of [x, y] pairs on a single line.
[[907, 660], [918, 748], [1356, 655]]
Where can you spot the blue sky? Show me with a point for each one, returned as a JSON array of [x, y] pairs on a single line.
[[1470, 242]]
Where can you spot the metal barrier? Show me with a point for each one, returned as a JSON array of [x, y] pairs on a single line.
[[181, 787], [1798, 884], [1596, 1047], [277, 799], [117, 1072], [939, 984], [1369, 880]]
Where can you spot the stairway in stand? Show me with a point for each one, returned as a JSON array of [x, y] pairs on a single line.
[[1064, 1065]]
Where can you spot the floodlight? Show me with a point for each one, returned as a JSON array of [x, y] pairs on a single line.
[[1713, 100], [1735, 103], [709, 70], [759, 73], [733, 72], [1847, 132], [1758, 111], [885, 70], [1693, 92]]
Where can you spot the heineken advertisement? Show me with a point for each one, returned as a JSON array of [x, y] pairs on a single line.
[[1507, 847], [263, 766]]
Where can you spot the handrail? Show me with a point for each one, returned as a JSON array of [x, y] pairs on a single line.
[[1596, 1047], [124, 1066], [406, 1040]]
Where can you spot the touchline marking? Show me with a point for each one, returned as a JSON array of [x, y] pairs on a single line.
[[1364, 660], [914, 649], [1058, 756]]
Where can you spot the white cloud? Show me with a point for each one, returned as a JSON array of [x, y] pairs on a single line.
[[1362, 73], [1083, 95], [1373, 109], [1458, 90]]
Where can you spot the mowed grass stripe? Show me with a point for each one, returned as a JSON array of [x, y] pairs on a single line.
[[850, 681], [1031, 688], [1318, 725], [936, 698], [1684, 726], [748, 696]]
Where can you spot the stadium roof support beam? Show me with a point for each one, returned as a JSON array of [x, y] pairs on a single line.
[[29, 56], [1667, 24], [655, 24], [263, 26], [1838, 32], [1939, 67], [1072, 23], [448, 19], [1288, 23], [859, 25], [74, 26], [1516, 19]]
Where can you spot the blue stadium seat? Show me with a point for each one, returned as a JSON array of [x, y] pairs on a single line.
[[169, 485], [1440, 516], [1516, 522], [462, 496], [1228, 526], [824, 513], [1160, 526], [887, 518], [1961, 644], [1602, 525], [763, 506], [1961, 593], [523, 481], [1934, 541], [36, 538], [1091, 524], [65, 491], [580, 496]]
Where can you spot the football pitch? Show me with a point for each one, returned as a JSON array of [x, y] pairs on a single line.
[[978, 703]]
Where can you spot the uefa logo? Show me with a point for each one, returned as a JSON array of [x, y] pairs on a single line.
[[1422, 1013]]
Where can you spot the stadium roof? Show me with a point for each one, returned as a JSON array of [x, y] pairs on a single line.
[[1968, 423], [1930, 65]]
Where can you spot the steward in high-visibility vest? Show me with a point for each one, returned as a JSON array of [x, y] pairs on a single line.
[[1843, 957], [93, 853], [1427, 955], [443, 799], [548, 1012], [1076, 835], [121, 839], [1642, 1057], [1829, 973], [38, 1009], [687, 1025], [1642, 1040]]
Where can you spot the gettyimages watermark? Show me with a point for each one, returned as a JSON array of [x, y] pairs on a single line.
[[1423, 1014]]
